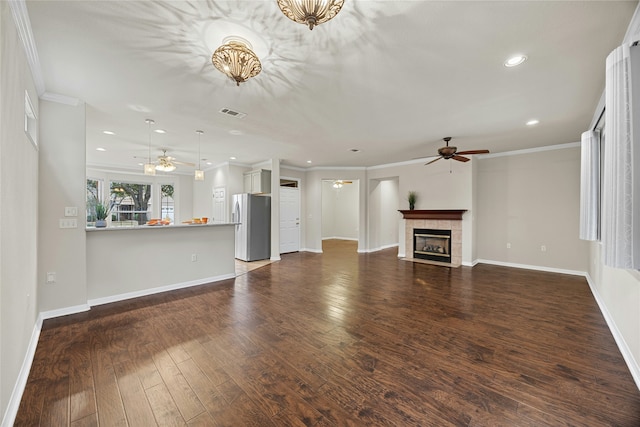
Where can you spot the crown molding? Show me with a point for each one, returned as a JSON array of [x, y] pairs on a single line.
[[633, 30], [23, 26], [530, 150], [60, 99]]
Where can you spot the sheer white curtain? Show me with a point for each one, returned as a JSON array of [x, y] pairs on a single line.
[[621, 184], [590, 186]]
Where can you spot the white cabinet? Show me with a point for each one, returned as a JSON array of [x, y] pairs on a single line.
[[257, 181]]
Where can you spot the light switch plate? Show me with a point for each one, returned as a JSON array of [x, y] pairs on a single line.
[[71, 211]]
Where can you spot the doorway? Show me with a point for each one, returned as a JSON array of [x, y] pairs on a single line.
[[340, 210]]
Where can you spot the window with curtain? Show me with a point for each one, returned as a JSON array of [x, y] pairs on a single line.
[[621, 166]]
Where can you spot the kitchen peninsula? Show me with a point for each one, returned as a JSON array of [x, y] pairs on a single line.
[[128, 262]]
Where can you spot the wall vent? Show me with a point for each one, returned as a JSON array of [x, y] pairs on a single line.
[[232, 113]]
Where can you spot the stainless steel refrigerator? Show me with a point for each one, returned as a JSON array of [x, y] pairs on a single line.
[[252, 215]]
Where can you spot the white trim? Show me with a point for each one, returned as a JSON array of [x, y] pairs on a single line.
[[532, 267], [380, 248], [64, 311], [160, 289], [470, 264], [633, 30], [275, 258], [60, 99], [405, 163], [21, 382], [401, 254], [627, 354], [315, 251], [295, 168], [23, 26], [337, 168], [341, 238], [530, 150]]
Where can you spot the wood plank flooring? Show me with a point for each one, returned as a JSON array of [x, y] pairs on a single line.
[[339, 339]]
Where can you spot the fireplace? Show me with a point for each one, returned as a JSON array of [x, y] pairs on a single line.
[[434, 245], [447, 251]]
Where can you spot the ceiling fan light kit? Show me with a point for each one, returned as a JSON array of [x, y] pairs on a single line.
[[236, 60], [310, 12]]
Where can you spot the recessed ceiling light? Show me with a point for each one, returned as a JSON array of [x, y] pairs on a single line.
[[355, 150], [108, 132], [232, 157], [533, 122], [140, 164], [160, 131], [101, 149], [235, 132], [308, 161], [209, 163], [515, 60]]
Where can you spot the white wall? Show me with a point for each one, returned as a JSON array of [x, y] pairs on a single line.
[[529, 201], [340, 215], [62, 184], [18, 216]]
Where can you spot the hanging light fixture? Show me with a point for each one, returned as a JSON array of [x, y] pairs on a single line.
[[199, 176], [310, 12], [338, 183], [236, 60], [149, 168]]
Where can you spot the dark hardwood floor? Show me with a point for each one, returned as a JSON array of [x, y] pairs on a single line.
[[336, 339]]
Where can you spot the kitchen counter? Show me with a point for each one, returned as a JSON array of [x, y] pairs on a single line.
[[137, 261], [148, 227]]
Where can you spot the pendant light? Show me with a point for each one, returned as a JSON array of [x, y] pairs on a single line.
[[199, 176], [149, 168]]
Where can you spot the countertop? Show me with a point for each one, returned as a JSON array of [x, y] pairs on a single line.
[[161, 227]]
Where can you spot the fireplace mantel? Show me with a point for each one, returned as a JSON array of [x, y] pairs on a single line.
[[455, 214]]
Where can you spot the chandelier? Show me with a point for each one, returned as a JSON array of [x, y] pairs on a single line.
[[310, 12], [236, 60], [149, 168]]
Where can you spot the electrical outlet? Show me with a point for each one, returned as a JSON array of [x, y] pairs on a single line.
[[194, 257], [71, 211], [51, 277], [508, 245], [543, 248], [68, 223]]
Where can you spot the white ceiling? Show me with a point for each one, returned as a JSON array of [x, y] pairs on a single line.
[[390, 78]]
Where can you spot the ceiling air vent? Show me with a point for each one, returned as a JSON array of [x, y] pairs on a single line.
[[232, 113]]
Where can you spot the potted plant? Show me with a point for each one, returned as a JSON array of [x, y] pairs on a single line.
[[412, 199], [102, 210]]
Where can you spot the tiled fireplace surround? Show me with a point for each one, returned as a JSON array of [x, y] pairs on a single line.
[[436, 220]]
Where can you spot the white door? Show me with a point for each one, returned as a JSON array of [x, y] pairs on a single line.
[[289, 220], [219, 204]]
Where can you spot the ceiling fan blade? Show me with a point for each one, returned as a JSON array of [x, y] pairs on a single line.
[[434, 160], [460, 158], [474, 152], [183, 163]]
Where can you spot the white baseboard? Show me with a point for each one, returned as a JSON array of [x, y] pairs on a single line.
[[64, 311], [531, 267], [145, 292], [470, 264], [315, 251], [21, 382], [627, 354], [275, 258], [340, 238], [380, 248]]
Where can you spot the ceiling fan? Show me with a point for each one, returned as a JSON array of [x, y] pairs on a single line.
[[167, 163], [448, 152], [338, 183]]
